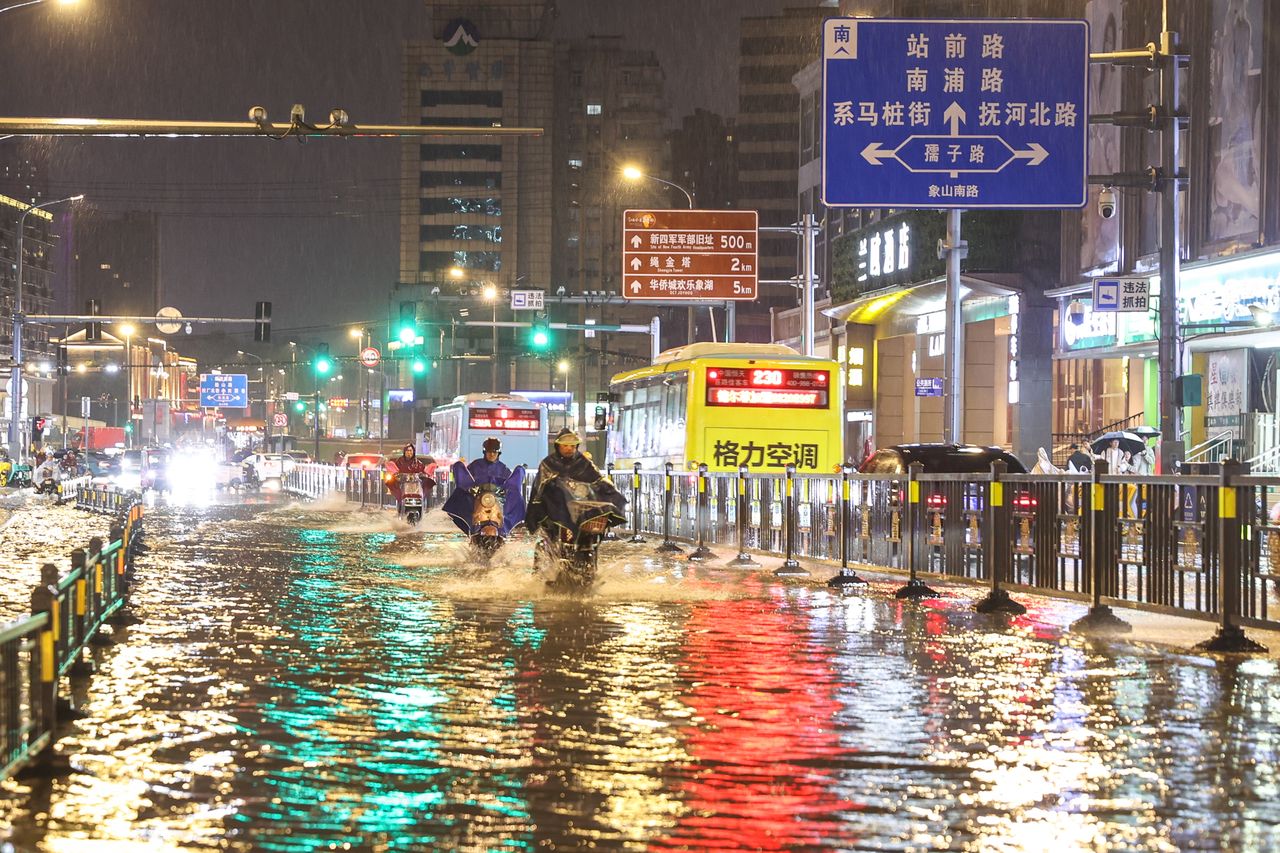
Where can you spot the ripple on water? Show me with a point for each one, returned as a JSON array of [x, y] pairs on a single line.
[[305, 677]]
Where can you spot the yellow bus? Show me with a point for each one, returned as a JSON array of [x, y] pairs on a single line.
[[759, 405]]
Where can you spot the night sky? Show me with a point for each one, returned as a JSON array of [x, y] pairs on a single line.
[[314, 227]]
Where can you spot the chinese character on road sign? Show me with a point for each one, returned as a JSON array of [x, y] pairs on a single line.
[[224, 390], [1121, 294], [690, 254], [528, 300], [954, 113]]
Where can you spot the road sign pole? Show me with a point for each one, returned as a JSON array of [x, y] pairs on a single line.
[[955, 250], [1170, 347], [808, 239]]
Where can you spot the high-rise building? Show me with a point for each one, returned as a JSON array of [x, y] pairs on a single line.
[[609, 113], [703, 158], [479, 204], [772, 50], [117, 262]]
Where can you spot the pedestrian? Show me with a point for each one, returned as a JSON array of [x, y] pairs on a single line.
[[1142, 464], [1079, 462], [1044, 465], [1115, 458]]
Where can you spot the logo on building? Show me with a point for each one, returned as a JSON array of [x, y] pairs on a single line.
[[460, 37]]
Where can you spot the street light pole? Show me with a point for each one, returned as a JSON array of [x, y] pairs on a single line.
[[15, 378], [34, 3]]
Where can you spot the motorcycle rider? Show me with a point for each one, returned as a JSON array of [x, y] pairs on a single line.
[[484, 471], [565, 460], [488, 469], [408, 462]]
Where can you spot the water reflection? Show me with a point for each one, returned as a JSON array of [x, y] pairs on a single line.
[[307, 678]]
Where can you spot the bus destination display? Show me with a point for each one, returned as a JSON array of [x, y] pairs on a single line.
[[522, 419], [767, 387]]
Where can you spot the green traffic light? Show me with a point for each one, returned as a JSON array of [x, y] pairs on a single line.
[[299, 406], [407, 335], [419, 366], [323, 366], [541, 338]]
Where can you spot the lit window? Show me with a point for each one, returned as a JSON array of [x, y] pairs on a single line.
[[593, 109], [855, 376], [575, 163], [104, 266]]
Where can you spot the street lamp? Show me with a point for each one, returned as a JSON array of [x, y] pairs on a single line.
[[15, 377], [491, 294], [35, 3], [633, 174], [128, 330], [262, 377], [563, 367]]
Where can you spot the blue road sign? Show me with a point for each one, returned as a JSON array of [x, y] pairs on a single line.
[[224, 390], [955, 113], [1106, 294], [929, 387]]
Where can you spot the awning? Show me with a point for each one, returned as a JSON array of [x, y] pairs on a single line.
[[921, 298]]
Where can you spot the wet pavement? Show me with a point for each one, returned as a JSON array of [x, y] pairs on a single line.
[[306, 677]]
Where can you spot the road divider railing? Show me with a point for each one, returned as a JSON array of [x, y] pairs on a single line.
[[98, 497], [1203, 545], [365, 486], [68, 612]]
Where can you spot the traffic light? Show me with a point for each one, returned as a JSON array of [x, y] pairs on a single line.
[[37, 429], [63, 365], [541, 337], [262, 321], [407, 330], [92, 331], [299, 406], [323, 363], [419, 365], [602, 418]]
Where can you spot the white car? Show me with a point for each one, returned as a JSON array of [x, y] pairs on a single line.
[[272, 466]]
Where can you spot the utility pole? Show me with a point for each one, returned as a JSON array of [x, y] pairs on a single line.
[[807, 231]]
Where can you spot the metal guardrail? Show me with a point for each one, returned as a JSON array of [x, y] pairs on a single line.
[[1204, 546], [67, 615], [317, 479]]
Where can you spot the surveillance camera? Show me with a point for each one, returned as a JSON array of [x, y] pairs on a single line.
[[257, 114], [297, 115], [1076, 312], [1107, 203], [338, 117]]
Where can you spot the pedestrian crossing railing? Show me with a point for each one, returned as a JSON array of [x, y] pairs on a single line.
[[68, 614], [1205, 546]]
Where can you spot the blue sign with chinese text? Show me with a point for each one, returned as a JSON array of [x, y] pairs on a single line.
[[955, 113], [224, 390], [929, 387]]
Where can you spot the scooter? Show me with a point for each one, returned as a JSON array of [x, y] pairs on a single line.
[[486, 512], [410, 497], [575, 523]]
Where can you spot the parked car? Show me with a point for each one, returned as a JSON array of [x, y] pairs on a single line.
[[940, 459], [947, 459], [298, 455]]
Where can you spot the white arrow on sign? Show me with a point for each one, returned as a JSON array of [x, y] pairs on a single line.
[[635, 264], [956, 115], [635, 287], [1036, 154], [636, 241], [873, 154]]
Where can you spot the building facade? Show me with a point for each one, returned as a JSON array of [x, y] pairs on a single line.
[[116, 261]]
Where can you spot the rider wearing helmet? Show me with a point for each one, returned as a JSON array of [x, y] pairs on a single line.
[[566, 460], [488, 469]]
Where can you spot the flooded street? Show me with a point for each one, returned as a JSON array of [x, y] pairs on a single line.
[[306, 677]]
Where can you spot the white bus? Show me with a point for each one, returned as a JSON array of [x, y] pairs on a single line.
[[458, 429]]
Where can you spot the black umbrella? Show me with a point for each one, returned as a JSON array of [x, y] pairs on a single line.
[[1129, 442], [1146, 431]]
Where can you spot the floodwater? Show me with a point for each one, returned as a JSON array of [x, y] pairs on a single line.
[[306, 677]]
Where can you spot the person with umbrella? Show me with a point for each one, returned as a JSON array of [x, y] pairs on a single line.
[[1116, 457]]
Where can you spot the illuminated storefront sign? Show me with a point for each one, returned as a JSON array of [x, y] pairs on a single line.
[[1208, 294]]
